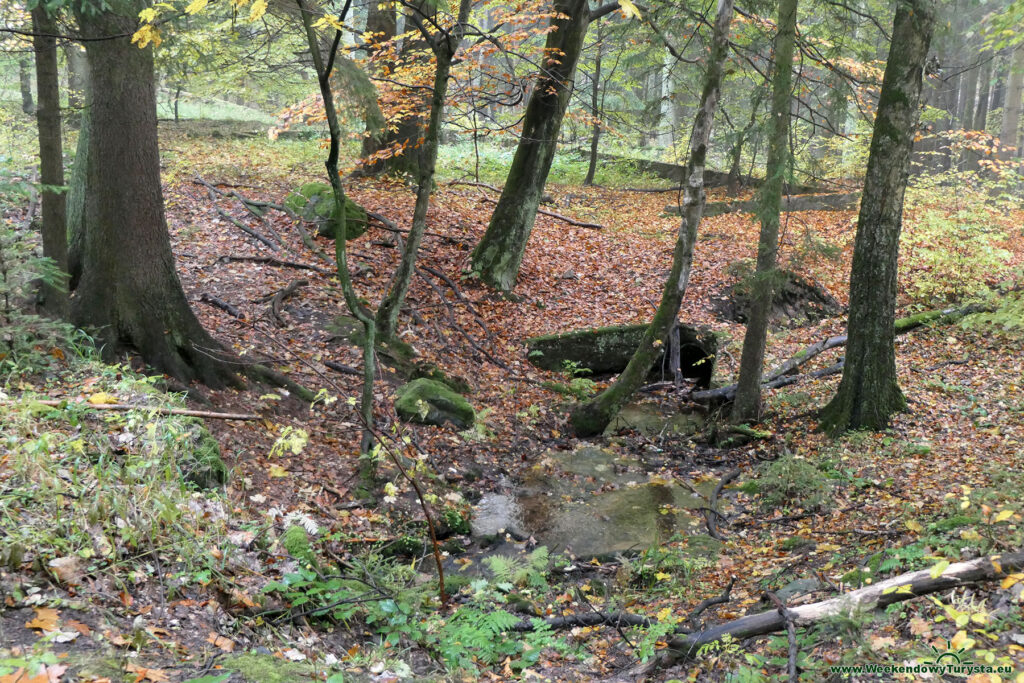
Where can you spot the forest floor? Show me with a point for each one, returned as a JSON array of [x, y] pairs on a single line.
[[944, 483]]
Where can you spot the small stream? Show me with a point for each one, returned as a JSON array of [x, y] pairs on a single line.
[[593, 502]]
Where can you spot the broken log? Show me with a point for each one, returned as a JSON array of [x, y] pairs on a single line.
[[810, 202], [222, 305], [272, 261], [897, 589], [552, 214], [278, 298]]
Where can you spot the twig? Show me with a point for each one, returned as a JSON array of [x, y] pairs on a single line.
[[246, 229], [222, 305], [157, 409], [340, 367], [278, 298], [704, 604], [713, 504]]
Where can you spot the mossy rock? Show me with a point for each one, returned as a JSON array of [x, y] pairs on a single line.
[[607, 350], [296, 541], [432, 371], [427, 401], [202, 464], [315, 202], [265, 668]]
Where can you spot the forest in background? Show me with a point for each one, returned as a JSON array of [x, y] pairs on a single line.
[[511, 340]]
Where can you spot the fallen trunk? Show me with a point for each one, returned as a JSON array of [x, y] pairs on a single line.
[[810, 202], [897, 589], [902, 326], [607, 350]]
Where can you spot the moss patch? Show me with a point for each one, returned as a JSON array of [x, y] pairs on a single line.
[[427, 401], [257, 668], [315, 202]]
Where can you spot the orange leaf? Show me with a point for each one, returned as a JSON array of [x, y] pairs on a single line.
[[45, 620], [144, 674]]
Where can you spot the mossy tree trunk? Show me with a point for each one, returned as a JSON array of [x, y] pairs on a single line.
[[445, 45], [368, 468], [592, 417], [51, 155], [78, 74], [747, 405], [128, 291], [25, 85], [499, 254], [869, 393]]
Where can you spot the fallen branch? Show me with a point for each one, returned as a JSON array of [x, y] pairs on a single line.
[[713, 504], [342, 368], [552, 214], [246, 229], [897, 589], [222, 305], [790, 618], [272, 261], [777, 377], [277, 299], [156, 409]]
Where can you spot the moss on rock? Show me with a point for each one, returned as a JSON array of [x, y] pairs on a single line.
[[315, 202], [427, 401]]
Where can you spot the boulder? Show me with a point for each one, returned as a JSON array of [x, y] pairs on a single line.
[[797, 301], [315, 202], [427, 401], [607, 350]]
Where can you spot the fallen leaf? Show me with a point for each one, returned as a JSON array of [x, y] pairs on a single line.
[[45, 620], [101, 398], [222, 642], [146, 674]]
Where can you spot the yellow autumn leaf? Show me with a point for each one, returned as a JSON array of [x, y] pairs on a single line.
[[45, 620], [1010, 580], [940, 567], [914, 526], [148, 15], [662, 576], [961, 640], [196, 6], [103, 397], [278, 471], [1003, 516], [629, 10], [258, 9]]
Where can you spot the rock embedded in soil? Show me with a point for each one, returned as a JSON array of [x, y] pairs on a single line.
[[315, 203], [607, 350], [427, 401]]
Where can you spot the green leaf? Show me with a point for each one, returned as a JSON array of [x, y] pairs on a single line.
[[940, 567]]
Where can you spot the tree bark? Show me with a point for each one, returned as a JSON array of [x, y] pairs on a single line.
[[969, 83], [129, 292], [984, 92], [1011, 110], [499, 254], [445, 47], [25, 83], [747, 405], [78, 75], [382, 25], [51, 156], [593, 416], [595, 111], [869, 392]]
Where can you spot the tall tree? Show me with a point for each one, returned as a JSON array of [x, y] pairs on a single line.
[[869, 392], [25, 83], [1011, 110], [128, 290], [984, 92], [593, 416], [78, 68], [499, 254], [747, 405], [51, 152]]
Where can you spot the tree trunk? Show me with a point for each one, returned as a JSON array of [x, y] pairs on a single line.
[[129, 292], [1011, 112], [77, 191], [405, 136], [984, 91], [445, 49], [78, 74], [499, 254], [736, 153], [747, 405], [51, 155], [593, 416], [595, 111], [25, 80], [869, 392], [969, 83], [368, 467]]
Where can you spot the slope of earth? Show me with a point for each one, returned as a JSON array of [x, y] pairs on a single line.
[[943, 484]]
